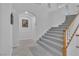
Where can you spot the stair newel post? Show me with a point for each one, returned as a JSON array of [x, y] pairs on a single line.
[[65, 43]]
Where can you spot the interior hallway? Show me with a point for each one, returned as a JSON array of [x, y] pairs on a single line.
[[37, 29]]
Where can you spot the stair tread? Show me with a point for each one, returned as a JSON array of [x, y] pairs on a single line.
[[51, 49], [53, 43], [55, 31], [61, 37], [39, 51], [53, 39], [51, 34], [63, 25], [57, 28]]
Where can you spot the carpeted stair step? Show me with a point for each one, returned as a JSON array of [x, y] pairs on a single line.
[[39, 51], [50, 49]]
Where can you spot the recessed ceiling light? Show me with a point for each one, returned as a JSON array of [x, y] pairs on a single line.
[[26, 12]]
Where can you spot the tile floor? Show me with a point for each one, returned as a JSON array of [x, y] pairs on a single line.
[[23, 48]]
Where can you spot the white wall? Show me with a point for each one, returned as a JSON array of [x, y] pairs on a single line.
[[0, 29], [50, 19], [45, 17], [6, 31], [15, 31], [56, 17]]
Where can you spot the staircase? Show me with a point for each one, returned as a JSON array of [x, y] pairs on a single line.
[[51, 43]]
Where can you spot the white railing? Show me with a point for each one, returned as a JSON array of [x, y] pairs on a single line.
[[69, 33], [72, 29]]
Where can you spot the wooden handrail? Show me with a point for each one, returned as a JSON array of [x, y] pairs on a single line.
[[65, 39], [64, 48]]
